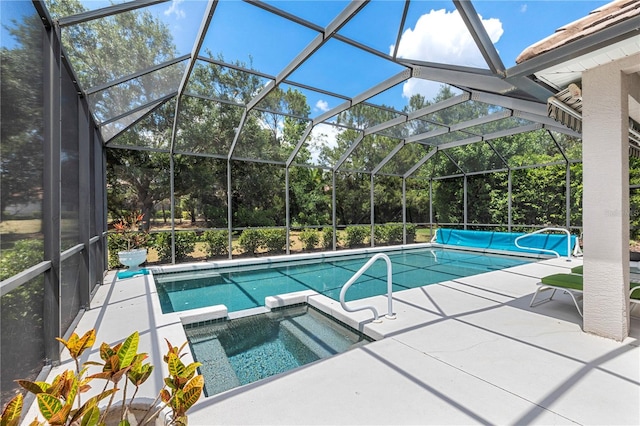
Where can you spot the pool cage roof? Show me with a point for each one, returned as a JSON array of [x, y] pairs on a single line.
[[355, 65]]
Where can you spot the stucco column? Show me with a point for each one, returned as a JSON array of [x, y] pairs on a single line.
[[605, 155]]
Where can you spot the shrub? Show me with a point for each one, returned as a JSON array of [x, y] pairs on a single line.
[[162, 243], [115, 243], [411, 232], [394, 233], [21, 315], [185, 244], [216, 243], [274, 240], [23, 255], [380, 234], [250, 240], [309, 238], [356, 235], [327, 238]]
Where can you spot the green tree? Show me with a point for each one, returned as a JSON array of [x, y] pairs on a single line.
[[417, 200], [136, 180], [270, 131], [388, 199], [257, 194], [106, 49], [203, 182], [539, 196], [353, 201], [21, 133], [310, 196]]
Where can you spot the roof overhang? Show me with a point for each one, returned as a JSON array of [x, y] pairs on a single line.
[[607, 34]]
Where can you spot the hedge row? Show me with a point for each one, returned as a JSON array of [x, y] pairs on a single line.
[[251, 240], [216, 243], [390, 233]]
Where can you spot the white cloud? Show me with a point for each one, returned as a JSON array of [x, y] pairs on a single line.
[[175, 9], [523, 8], [322, 105], [426, 88], [442, 37], [322, 135]]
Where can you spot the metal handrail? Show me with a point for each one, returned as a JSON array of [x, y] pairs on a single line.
[[546, 250], [345, 287]]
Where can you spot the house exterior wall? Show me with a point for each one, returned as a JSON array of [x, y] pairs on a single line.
[[606, 90]]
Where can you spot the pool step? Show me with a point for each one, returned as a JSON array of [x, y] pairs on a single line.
[[218, 372], [303, 334]]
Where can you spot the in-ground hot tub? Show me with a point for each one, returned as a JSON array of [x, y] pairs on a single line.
[[244, 350]]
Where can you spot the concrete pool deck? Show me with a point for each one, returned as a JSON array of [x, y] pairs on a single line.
[[468, 351]]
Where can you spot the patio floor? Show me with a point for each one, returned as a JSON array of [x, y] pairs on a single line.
[[469, 351]]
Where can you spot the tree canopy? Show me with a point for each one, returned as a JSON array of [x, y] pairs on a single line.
[[207, 146]]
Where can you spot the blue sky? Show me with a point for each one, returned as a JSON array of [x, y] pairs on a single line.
[[433, 31]]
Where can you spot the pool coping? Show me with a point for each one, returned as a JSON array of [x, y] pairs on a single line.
[[281, 258], [267, 260]]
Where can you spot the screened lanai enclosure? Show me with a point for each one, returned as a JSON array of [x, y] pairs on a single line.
[[245, 128]]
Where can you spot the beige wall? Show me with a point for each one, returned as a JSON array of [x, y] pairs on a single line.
[[606, 92]]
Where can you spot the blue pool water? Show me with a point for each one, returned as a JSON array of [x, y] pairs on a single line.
[[246, 287], [244, 350]]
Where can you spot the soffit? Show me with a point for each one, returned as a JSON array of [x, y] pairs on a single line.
[[560, 76]]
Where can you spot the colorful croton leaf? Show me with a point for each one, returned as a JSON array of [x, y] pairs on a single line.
[[184, 386], [11, 414]]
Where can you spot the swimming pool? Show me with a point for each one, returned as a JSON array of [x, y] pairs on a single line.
[[245, 287], [244, 350]]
